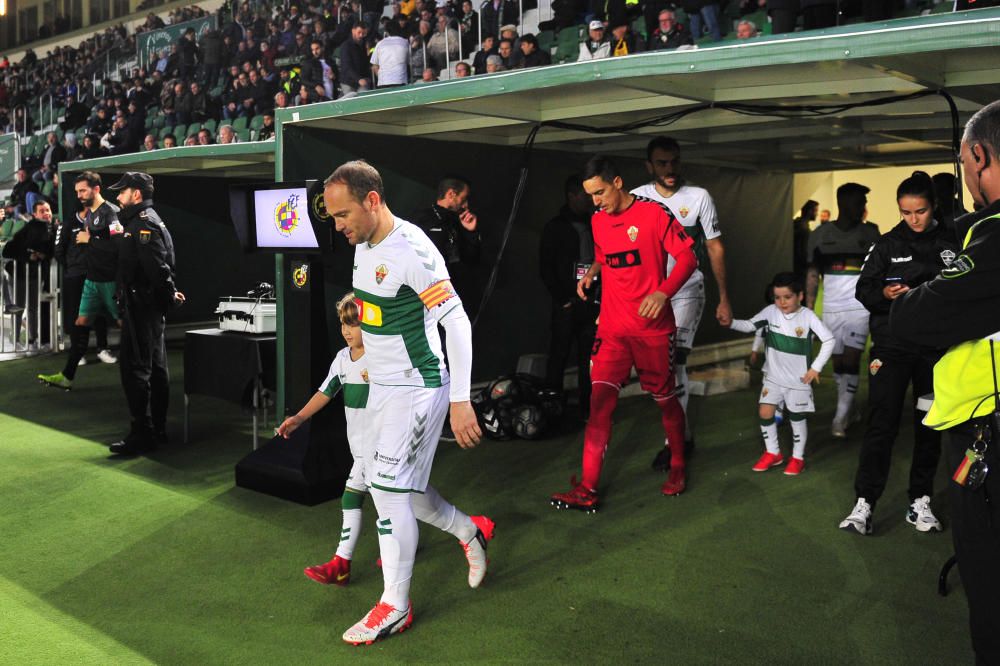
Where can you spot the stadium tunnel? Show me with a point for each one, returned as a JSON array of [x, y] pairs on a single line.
[[749, 116]]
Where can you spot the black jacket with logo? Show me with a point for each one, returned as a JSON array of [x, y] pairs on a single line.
[[69, 253], [905, 257], [963, 302], [146, 262], [105, 236]]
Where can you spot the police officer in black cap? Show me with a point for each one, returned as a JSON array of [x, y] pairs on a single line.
[[146, 292]]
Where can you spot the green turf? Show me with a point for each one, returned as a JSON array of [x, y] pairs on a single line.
[[161, 559]]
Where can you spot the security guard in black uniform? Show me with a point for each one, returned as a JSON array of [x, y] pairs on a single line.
[[146, 292], [960, 310], [913, 252]]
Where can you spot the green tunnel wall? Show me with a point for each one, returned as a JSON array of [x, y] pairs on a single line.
[[755, 212]]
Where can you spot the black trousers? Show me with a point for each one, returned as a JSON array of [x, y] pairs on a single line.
[[79, 336], [819, 16], [975, 530], [782, 20], [886, 393], [144, 374], [573, 328]]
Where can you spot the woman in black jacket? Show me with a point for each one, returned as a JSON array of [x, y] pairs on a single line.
[[913, 252]]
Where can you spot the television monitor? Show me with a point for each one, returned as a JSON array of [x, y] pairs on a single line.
[[280, 214]]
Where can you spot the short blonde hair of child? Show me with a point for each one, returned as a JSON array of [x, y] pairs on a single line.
[[347, 310]]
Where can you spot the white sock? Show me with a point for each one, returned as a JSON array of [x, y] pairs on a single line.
[[681, 390], [846, 389], [429, 507], [769, 430], [800, 432], [841, 388], [349, 533], [397, 542]]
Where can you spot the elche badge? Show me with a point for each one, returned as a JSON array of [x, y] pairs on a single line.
[[684, 211], [947, 256], [381, 271], [799, 331], [875, 366], [633, 233]]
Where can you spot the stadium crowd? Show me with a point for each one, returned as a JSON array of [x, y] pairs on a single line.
[[264, 55]]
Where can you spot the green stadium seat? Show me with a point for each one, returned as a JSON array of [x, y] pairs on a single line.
[[210, 125], [159, 121], [225, 121], [941, 8], [240, 124], [639, 27], [759, 19], [180, 131], [193, 129], [257, 122], [149, 122], [568, 44], [546, 40], [243, 135], [166, 130]]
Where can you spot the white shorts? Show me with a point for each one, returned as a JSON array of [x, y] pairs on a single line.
[[687, 316], [407, 422], [849, 328], [358, 478], [795, 400]]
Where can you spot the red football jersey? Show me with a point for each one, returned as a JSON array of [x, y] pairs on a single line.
[[632, 247]]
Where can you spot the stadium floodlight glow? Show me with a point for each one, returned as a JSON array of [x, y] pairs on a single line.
[[3, 7]]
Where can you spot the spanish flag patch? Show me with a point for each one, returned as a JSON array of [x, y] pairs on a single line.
[[437, 293]]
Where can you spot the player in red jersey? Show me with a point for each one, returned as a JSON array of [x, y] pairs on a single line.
[[633, 237]]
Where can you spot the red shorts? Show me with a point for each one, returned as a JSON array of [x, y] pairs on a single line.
[[612, 358]]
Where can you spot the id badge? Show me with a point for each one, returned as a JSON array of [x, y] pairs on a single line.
[[581, 270]]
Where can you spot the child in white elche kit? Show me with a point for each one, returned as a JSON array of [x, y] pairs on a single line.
[[789, 369]]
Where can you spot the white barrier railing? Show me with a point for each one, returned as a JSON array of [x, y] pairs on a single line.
[[25, 294]]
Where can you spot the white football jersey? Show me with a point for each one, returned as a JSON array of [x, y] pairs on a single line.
[[694, 209], [351, 377], [403, 289], [789, 340]]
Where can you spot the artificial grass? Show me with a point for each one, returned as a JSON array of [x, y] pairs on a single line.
[[161, 559]]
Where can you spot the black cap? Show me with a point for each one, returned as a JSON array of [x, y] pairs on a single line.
[[137, 180]]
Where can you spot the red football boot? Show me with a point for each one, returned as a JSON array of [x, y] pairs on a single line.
[[335, 572], [580, 497]]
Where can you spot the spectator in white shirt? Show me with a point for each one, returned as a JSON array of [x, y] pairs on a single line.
[[391, 57]]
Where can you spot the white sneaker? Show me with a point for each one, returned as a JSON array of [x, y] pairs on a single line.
[[105, 356], [32, 349], [920, 515], [838, 429], [380, 622], [83, 361], [860, 519]]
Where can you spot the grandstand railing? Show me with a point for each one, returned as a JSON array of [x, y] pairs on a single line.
[[14, 305], [41, 114]]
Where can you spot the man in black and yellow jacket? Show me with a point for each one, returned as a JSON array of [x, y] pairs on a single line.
[[960, 310]]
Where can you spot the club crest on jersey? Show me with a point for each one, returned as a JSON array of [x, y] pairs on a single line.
[[799, 331], [364, 375], [947, 256], [633, 233], [875, 366], [684, 211], [380, 273], [764, 393]]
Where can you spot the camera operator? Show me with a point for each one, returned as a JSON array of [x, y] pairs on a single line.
[[960, 310]]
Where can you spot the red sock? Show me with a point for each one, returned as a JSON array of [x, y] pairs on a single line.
[[672, 415], [603, 398]]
